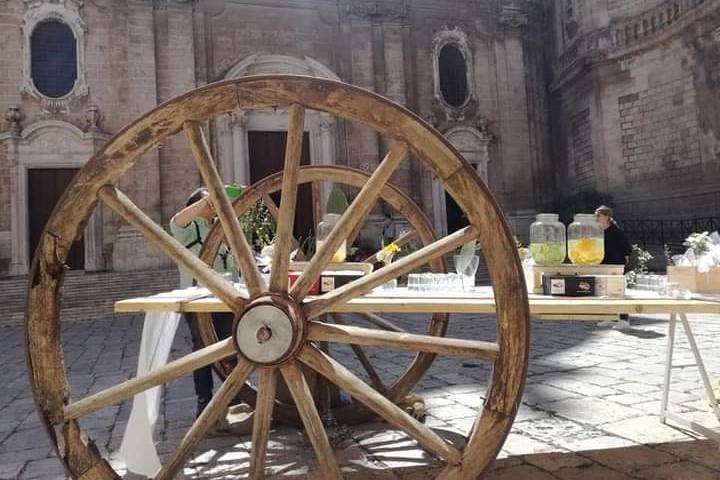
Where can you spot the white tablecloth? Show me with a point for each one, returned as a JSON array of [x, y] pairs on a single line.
[[138, 448]]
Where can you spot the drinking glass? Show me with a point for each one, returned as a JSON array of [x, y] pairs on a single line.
[[467, 267]]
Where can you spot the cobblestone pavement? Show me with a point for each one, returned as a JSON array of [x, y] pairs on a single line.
[[589, 409]]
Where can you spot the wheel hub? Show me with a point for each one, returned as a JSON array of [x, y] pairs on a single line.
[[269, 331]]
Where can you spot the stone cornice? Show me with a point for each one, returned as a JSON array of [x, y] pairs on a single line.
[[630, 36]]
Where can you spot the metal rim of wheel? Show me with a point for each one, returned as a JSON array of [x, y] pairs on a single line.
[[97, 182], [421, 231]]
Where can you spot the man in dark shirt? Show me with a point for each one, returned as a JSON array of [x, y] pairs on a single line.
[[617, 251]]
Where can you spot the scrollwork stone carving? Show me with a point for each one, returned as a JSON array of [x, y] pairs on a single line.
[[14, 116], [377, 11]]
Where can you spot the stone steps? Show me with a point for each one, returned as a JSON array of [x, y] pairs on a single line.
[[87, 296]]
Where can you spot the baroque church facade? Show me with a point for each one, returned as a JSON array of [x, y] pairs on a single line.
[[539, 96]]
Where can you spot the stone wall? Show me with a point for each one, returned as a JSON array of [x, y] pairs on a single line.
[[582, 151], [648, 83], [139, 54], [660, 135]]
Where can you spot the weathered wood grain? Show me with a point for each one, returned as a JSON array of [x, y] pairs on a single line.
[[452, 347]]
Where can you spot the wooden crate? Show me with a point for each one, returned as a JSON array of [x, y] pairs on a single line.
[[690, 278], [534, 273]]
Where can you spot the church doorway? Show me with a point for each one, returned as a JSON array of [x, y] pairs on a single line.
[[45, 186], [456, 218], [267, 156]]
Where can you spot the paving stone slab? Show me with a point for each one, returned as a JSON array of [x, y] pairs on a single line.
[[678, 471], [630, 458]]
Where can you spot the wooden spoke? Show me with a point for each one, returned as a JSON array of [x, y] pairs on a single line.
[[453, 347], [272, 206], [394, 270], [205, 275], [393, 414], [314, 428], [241, 250], [403, 240], [164, 374], [286, 220], [261, 424], [382, 322], [364, 361], [356, 213], [207, 418]]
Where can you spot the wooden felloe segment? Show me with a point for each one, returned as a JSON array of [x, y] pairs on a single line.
[[355, 214], [220, 400], [83, 456], [313, 425], [124, 207], [231, 225], [159, 376], [286, 220], [343, 378]]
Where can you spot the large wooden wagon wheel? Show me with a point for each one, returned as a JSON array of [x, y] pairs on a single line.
[[421, 230], [275, 327]]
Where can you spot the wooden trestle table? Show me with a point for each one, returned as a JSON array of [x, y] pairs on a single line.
[[481, 301]]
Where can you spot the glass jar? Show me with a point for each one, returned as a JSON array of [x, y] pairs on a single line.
[[324, 228], [547, 240], [586, 240]]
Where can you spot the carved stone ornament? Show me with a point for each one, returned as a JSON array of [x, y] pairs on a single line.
[[67, 12], [377, 11], [92, 119], [483, 125], [14, 116], [513, 16]]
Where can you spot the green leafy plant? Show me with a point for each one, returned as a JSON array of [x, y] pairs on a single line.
[[337, 201], [259, 226], [640, 260], [307, 245]]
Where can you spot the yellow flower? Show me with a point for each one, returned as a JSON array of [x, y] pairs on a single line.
[[388, 251]]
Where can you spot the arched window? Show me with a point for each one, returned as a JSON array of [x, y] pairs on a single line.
[[453, 75], [54, 65]]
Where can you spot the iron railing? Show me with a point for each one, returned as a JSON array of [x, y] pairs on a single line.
[[666, 232]]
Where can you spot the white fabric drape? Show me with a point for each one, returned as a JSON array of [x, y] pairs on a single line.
[[137, 448]]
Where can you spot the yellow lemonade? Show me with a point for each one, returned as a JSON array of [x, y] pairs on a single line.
[[586, 251]]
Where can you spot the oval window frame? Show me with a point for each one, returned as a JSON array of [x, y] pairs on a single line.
[[67, 12], [458, 38], [68, 30], [460, 56]]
